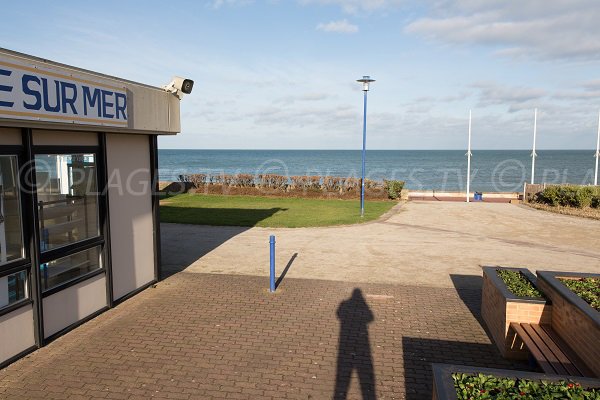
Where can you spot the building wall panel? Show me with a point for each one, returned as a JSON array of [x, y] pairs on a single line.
[[64, 138], [130, 204], [16, 331], [10, 136], [73, 304]]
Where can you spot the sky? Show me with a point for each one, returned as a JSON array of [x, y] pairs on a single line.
[[281, 74]]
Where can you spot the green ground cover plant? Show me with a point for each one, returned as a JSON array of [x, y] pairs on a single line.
[[482, 386], [587, 288], [518, 284], [276, 212]]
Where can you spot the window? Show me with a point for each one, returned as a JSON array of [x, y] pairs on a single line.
[[70, 267], [67, 199], [11, 235], [13, 288], [13, 285]]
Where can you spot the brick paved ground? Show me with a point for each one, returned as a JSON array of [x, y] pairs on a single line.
[[201, 336]]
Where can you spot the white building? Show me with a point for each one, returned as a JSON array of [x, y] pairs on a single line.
[[78, 205]]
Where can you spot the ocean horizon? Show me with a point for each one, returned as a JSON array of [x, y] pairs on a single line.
[[444, 170]]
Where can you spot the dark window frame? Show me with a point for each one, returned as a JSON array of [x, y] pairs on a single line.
[[17, 151], [24, 301], [23, 263], [85, 244]]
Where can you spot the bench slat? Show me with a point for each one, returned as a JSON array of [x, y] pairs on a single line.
[[573, 357], [545, 350], [558, 352], [533, 348]]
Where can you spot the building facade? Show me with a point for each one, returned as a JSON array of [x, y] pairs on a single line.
[[79, 228]]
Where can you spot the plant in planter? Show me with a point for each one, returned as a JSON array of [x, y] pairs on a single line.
[[575, 316], [586, 288], [458, 382], [510, 295], [519, 284]]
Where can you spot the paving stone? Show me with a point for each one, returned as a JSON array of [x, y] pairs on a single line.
[[203, 336]]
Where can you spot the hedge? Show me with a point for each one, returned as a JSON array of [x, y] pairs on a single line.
[[570, 196], [281, 183]]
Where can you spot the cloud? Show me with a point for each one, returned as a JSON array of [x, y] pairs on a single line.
[[356, 6], [515, 97], [307, 97], [341, 26], [220, 3], [549, 29], [587, 92]]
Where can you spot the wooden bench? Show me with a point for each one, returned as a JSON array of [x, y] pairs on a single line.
[[550, 352]]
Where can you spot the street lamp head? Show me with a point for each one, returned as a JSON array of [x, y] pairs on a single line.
[[366, 79]]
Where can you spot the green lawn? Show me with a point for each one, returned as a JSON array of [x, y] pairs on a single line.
[[266, 211]]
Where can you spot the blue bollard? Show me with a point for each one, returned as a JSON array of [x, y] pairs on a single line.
[[272, 273]]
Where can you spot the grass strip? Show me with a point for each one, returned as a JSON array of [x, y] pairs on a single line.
[[273, 212]]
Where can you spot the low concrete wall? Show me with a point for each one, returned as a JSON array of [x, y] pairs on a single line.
[[435, 193], [531, 190]]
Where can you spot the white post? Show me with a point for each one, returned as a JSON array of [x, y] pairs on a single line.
[[469, 154], [597, 152], [533, 153]]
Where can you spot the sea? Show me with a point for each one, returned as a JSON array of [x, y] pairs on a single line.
[[441, 170]]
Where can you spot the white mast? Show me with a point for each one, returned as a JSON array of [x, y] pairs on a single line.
[[469, 154], [597, 152], [533, 153]]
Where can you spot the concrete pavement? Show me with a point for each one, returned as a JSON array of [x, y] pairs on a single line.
[[422, 243]]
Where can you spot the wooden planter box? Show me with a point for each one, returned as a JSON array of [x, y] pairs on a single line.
[[443, 385], [499, 307], [577, 323]]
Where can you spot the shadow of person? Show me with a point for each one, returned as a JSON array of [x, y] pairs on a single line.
[[354, 350]]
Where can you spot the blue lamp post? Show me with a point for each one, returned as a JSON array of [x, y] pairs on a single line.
[[365, 82]]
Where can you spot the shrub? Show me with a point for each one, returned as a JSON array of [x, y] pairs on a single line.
[[197, 180], [570, 196], [373, 185], [216, 179], [394, 188], [245, 180], [298, 182], [518, 284], [330, 183], [314, 182], [229, 180], [308, 185], [583, 196], [352, 184]]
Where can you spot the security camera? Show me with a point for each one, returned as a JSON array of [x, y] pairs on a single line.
[[179, 86]]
